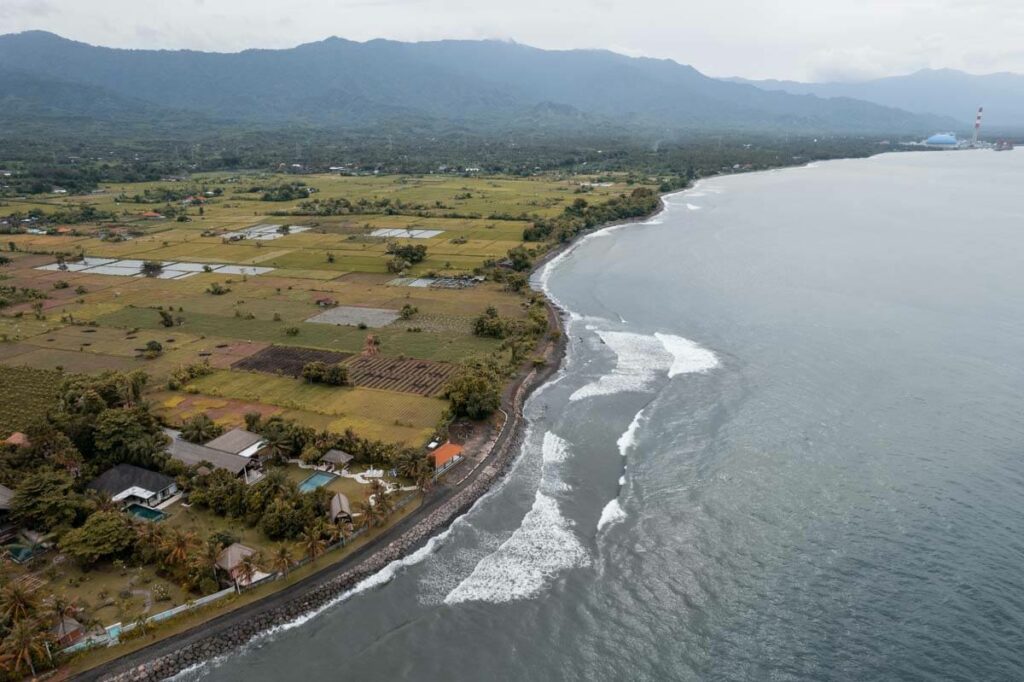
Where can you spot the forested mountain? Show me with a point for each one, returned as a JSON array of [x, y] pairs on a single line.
[[476, 85], [938, 91]]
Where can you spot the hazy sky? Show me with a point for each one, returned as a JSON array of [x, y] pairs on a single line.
[[801, 39]]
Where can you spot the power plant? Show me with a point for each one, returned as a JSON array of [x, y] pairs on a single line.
[[950, 141]]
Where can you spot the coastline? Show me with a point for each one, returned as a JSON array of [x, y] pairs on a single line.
[[332, 584]]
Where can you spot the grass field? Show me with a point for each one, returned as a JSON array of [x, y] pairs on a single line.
[[388, 415], [91, 322]]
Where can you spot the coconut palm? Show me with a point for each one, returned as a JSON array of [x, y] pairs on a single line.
[[149, 538], [370, 515], [248, 567], [59, 607], [178, 546], [17, 603], [312, 540], [25, 644], [282, 559], [379, 491], [200, 429], [205, 558], [279, 443]]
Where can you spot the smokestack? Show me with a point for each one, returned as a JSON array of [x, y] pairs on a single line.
[[977, 127]]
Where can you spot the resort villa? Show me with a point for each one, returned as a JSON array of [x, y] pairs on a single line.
[[235, 454], [129, 484]]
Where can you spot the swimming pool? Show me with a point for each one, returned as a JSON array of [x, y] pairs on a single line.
[[19, 553], [318, 479], [145, 513]]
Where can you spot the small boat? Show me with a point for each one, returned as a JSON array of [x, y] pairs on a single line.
[[1002, 146]]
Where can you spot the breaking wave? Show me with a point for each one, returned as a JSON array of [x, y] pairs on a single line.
[[687, 356], [628, 439], [543, 546], [611, 514], [641, 358]]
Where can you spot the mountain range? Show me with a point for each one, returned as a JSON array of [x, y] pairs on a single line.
[[474, 85], [945, 92]]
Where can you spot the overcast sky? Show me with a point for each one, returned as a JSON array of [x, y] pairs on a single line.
[[797, 39]]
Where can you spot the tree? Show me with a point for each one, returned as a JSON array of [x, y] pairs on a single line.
[[312, 540], [248, 567], [282, 558], [105, 534], [474, 393], [45, 500], [152, 268], [336, 375], [520, 257], [200, 429], [178, 546], [59, 607], [166, 319], [25, 645], [407, 311], [370, 515], [17, 602], [313, 372], [129, 435]]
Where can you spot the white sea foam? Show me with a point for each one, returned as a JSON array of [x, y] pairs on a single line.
[[628, 438], [622, 479], [639, 360], [612, 513], [687, 356], [554, 449], [692, 207], [542, 547]]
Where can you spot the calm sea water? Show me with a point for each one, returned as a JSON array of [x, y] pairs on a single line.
[[788, 444]]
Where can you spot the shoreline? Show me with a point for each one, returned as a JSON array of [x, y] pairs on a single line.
[[228, 632], [332, 584]]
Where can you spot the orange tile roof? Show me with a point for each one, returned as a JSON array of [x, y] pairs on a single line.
[[445, 454]]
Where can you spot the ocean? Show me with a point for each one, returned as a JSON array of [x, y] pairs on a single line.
[[787, 444]]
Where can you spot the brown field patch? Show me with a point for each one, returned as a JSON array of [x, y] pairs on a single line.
[[179, 407], [224, 354], [422, 377], [287, 360]]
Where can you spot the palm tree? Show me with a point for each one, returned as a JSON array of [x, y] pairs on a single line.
[[370, 515], [313, 541], [131, 387], [206, 557], [17, 602], [282, 558], [279, 443], [178, 546], [60, 606], [150, 538], [379, 491], [200, 429], [248, 567], [24, 644]]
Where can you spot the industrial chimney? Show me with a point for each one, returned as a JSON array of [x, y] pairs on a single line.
[[977, 127]]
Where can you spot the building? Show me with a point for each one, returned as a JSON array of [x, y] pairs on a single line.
[[129, 484], [238, 442], [446, 456], [67, 632], [192, 454], [947, 140], [338, 459], [230, 560], [340, 509]]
